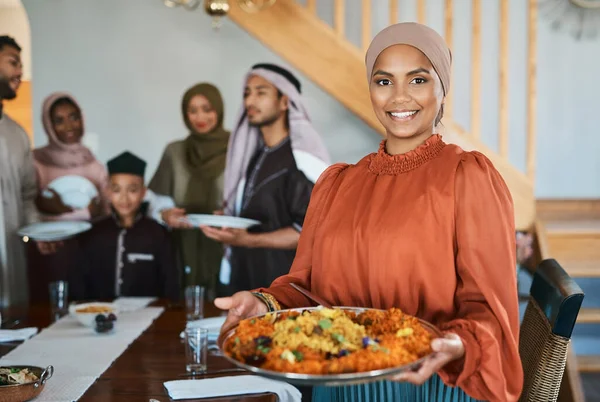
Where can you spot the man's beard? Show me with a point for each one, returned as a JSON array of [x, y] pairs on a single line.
[[266, 122], [6, 92]]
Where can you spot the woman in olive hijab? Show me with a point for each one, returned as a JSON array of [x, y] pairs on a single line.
[[191, 172]]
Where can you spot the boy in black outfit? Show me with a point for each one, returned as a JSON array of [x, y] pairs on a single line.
[[125, 254]]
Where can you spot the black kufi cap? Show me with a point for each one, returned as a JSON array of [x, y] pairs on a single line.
[[126, 163]]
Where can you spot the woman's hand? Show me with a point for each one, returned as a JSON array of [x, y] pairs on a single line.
[[53, 205], [95, 208], [175, 218], [445, 350], [231, 237], [48, 248], [241, 305]]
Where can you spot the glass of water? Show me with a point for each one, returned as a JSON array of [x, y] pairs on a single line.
[[194, 302], [196, 350], [59, 292]]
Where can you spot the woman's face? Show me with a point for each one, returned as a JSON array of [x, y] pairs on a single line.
[[67, 124], [406, 92], [201, 115]]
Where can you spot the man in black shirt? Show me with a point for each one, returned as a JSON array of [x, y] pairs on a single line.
[[273, 160]]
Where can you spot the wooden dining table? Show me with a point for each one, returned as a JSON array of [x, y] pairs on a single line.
[[156, 356]]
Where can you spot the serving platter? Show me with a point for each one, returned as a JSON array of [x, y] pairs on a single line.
[[328, 379]]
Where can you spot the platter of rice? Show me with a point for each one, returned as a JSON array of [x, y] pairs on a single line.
[[323, 346]]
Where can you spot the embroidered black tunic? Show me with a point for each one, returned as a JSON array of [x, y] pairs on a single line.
[[276, 193], [115, 261]]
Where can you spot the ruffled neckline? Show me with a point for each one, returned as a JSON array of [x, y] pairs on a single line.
[[383, 163]]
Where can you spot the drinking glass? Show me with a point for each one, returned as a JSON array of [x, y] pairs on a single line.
[[196, 350], [194, 302], [59, 292]]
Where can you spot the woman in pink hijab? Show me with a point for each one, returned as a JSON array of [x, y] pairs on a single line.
[[66, 155]]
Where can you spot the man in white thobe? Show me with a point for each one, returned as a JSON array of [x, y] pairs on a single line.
[[17, 183]]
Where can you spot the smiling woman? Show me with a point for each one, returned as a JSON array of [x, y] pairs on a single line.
[[420, 225]]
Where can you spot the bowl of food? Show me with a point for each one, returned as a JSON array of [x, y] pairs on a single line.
[[87, 313], [22, 383], [322, 346]]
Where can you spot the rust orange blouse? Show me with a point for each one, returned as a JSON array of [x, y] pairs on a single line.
[[431, 232]]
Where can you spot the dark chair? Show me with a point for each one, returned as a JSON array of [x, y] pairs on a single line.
[[554, 303]]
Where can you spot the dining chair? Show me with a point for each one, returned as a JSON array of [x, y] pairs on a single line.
[[545, 335]]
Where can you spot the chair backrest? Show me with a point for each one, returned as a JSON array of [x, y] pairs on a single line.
[[554, 303]]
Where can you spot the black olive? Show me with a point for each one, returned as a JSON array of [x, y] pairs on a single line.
[[263, 340], [255, 360]]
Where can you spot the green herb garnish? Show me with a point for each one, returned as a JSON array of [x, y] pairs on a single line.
[[14, 370], [338, 337], [325, 323], [298, 355], [263, 349], [253, 322], [297, 329], [237, 341]]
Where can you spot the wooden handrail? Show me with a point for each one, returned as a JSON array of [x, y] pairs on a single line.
[[421, 11], [449, 36], [393, 12], [366, 24], [503, 81], [339, 18], [476, 70], [531, 87]]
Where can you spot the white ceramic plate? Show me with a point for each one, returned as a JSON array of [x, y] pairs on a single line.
[[222, 221], [75, 191], [54, 231]]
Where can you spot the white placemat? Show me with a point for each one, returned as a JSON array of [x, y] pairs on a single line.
[[232, 385], [78, 354], [10, 335], [133, 303]]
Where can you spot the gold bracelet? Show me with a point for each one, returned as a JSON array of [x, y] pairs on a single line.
[[273, 301], [269, 300]]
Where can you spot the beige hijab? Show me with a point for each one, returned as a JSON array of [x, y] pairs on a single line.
[[421, 37]]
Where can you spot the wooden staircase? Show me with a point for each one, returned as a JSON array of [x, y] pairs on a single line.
[[323, 54], [569, 231]]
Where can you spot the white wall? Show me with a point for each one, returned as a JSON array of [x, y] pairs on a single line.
[[130, 61]]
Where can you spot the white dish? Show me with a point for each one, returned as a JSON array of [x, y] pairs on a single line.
[[222, 221], [75, 191], [54, 231], [88, 319]]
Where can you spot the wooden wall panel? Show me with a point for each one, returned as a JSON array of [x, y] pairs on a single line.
[[20, 108]]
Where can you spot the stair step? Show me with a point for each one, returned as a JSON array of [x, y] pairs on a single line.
[[580, 227], [588, 363], [589, 316], [580, 269]]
